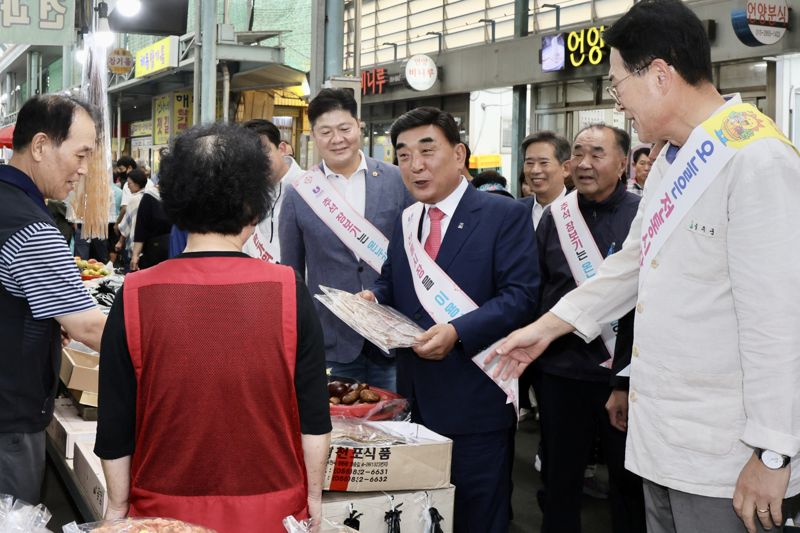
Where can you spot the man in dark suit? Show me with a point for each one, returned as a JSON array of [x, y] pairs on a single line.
[[375, 192], [478, 249]]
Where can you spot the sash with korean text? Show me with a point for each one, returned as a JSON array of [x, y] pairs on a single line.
[[709, 148], [583, 255], [441, 297], [356, 232]]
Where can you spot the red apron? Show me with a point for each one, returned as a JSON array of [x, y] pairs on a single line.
[[213, 342]]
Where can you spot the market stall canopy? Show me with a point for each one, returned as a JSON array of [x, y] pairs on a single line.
[[6, 136]]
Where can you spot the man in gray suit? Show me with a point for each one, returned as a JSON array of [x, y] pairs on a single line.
[[365, 192]]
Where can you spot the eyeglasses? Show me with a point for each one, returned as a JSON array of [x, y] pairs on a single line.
[[612, 89]]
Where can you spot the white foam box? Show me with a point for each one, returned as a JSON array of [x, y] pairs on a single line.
[[67, 427], [89, 471], [374, 505], [423, 463]]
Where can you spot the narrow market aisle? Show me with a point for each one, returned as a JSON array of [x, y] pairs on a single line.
[[527, 515], [596, 516]]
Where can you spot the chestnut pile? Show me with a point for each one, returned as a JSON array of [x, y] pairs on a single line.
[[351, 394]]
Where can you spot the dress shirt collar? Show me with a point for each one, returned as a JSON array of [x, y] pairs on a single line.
[[361, 166], [449, 204], [562, 194]]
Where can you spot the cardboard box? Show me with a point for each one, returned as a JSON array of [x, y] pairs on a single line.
[[422, 464], [85, 398], [89, 471], [374, 505], [80, 370], [67, 427]]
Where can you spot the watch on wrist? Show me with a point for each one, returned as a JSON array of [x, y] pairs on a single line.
[[772, 460]]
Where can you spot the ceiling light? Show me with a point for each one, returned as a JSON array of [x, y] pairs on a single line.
[[129, 8]]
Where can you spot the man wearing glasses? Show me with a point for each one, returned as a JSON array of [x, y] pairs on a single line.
[[714, 424]]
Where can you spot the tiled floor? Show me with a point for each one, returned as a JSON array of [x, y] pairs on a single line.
[[527, 515]]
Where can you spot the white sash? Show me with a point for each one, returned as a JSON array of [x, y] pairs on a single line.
[[356, 232], [709, 148], [441, 297], [583, 256]]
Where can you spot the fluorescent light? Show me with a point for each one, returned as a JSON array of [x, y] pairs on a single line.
[[80, 55]]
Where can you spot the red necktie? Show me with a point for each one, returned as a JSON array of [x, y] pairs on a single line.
[[434, 241]]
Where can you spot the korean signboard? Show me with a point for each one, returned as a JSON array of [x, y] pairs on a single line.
[[120, 61], [761, 22], [161, 116], [182, 111], [421, 72], [142, 128], [37, 22], [573, 50], [158, 56], [373, 80]]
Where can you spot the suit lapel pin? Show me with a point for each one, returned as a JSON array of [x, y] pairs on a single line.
[[460, 225], [375, 173]]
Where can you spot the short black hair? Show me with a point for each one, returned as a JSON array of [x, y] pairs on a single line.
[[426, 116], [560, 144], [644, 150], [266, 128], [332, 100], [51, 114], [621, 137], [138, 177], [489, 176], [126, 161], [212, 179], [468, 155], [663, 29]]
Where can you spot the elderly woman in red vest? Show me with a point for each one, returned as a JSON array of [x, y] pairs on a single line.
[[214, 405]]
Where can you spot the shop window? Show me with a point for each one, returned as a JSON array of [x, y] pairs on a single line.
[[556, 122], [547, 95], [580, 92]]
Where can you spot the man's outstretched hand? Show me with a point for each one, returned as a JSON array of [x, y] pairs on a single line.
[[524, 345]]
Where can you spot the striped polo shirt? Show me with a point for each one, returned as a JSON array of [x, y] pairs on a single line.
[[36, 264]]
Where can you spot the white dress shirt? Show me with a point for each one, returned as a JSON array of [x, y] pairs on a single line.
[[447, 206], [716, 355], [264, 243], [538, 209], [353, 188]]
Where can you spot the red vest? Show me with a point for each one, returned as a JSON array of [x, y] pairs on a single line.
[[213, 343]]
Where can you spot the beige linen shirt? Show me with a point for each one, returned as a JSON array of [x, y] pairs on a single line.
[[715, 370]]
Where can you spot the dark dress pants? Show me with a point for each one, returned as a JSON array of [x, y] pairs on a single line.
[[481, 472], [572, 413]]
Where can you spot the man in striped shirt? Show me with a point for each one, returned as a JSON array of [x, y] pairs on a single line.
[[40, 287]]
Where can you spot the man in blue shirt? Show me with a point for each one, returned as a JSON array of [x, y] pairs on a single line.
[[41, 293]]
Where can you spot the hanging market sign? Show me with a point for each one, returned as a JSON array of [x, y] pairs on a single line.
[[141, 128], [37, 22], [182, 111], [120, 61], [421, 72], [161, 116], [761, 22], [158, 56]]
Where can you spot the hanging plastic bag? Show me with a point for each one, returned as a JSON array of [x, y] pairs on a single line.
[[352, 520]]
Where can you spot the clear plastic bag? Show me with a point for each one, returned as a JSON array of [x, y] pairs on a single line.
[[136, 525], [18, 516]]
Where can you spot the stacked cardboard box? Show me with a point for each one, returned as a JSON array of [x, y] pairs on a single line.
[[373, 479], [67, 427]]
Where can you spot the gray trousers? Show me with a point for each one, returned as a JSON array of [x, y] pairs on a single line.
[[22, 460], [672, 511]]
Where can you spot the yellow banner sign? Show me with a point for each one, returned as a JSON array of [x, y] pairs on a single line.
[[142, 128], [157, 57], [161, 116], [182, 111]]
